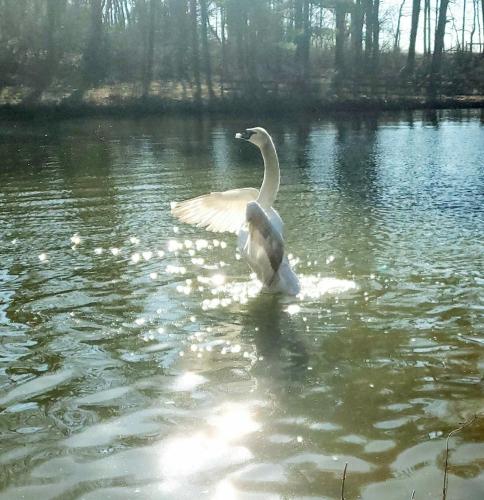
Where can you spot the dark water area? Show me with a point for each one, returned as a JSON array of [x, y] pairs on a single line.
[[137, 359]]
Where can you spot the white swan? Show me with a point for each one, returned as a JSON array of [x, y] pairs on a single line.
[[248, 212]]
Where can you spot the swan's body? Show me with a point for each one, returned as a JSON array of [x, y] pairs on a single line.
[[248, 212]]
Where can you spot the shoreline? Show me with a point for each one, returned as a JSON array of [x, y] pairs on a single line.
[[276, 106]]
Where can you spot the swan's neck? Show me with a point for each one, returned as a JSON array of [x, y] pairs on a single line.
[[270, 184]]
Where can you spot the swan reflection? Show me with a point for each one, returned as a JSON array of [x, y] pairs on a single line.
[[282, 353]]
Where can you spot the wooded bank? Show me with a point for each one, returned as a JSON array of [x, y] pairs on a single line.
[[221, 54]]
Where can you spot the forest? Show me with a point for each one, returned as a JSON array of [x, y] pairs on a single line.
[[206, 51]]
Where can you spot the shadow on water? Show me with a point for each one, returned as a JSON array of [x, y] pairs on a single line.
[[356, 160]]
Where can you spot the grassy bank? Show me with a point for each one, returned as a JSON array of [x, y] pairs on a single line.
[[128, 100]]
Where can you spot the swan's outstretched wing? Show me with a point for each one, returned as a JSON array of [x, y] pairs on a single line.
[[219, 212], [264, 246]]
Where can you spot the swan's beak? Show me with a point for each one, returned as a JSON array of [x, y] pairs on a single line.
[[245, 135]]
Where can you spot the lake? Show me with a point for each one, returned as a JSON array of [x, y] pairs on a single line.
[[137, 359]]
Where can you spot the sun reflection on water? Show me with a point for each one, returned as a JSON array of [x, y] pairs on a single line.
[[188, 381], [314, 287], [212, 448], [233, 422], [225, 491], [225, 291]]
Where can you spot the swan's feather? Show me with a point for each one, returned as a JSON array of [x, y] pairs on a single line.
[[264, 247], [219, 212]]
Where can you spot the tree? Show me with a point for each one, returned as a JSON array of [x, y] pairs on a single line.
[[426, 27], [243, 44], [94, 66], [302, 25], [150, 46], [396, 43], [340, 24], [357, 17], [195, 49], [206, 48], [413, 37], [376, 38], [434, 82], [306, 40], [53, 50], [368, 30], [223, 69], [482, 27], [237, 34]]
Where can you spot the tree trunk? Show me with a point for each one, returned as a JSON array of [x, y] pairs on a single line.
[[396, 43], [368, 29], [206, 48], [438, 48], [301, 14], [223, 74], [179, 27], [474, 23], [150, 48], [429, 31], [54, 8], [298, 16], [237, 33], [425, 23], [305, 42], [340, 16], [463, 46], [376, 37], [195, 49], [482, 26], [94, 67], [251, 52], [413, 37], [357, 33]]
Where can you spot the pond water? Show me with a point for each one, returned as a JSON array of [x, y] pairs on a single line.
[[138, 361]]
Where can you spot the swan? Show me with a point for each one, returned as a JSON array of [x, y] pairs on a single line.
[[248, 212]]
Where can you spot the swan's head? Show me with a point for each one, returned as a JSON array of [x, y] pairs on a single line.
[[256, 135]]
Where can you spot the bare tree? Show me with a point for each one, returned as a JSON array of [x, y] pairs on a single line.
[[302, 37], [368, 30], [357, 16], [206, 48], [223, 72], [482, 6], [306, 40], [376, 37], [340, 21], [195, 49], [53, 49], [438, 48], [396, 42], [151, 11], [426, 27], [94, 66], [413, 37], [474, 23], [254, 40]]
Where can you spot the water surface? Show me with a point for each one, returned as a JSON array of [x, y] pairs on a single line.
[[138, 361]]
